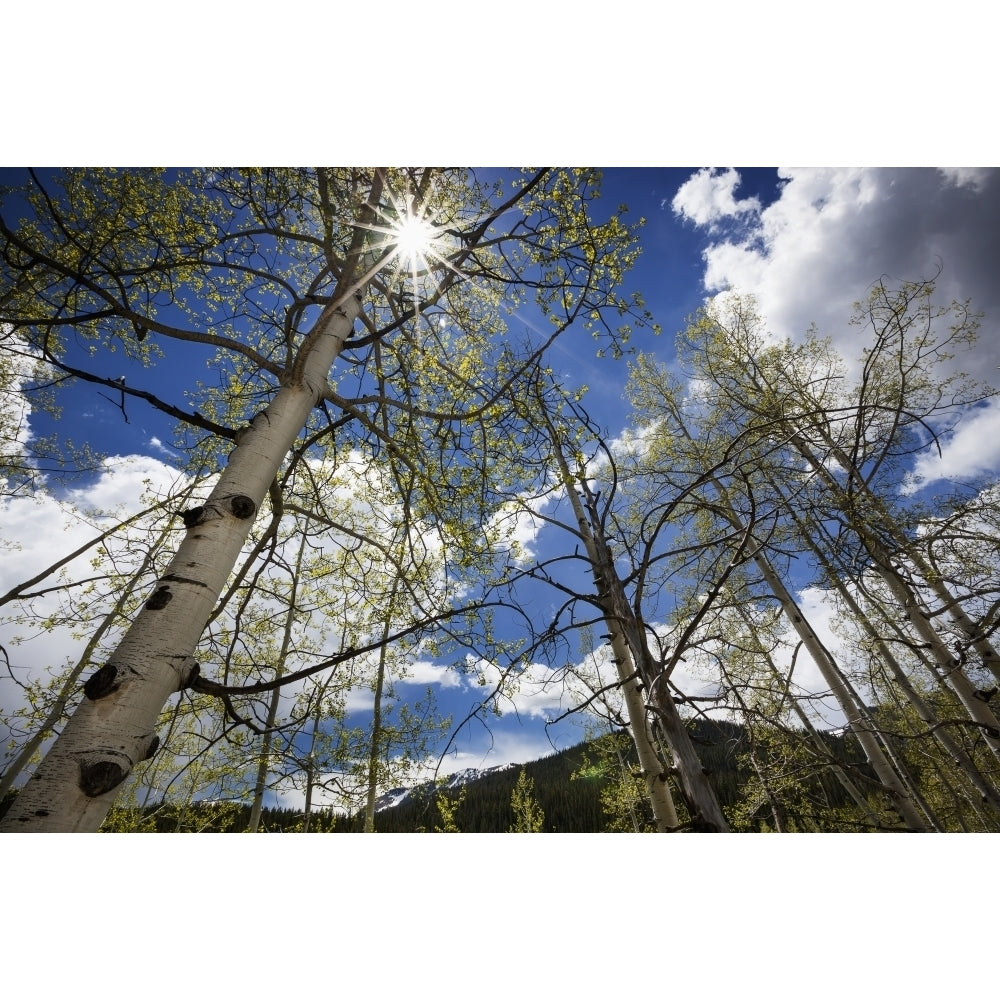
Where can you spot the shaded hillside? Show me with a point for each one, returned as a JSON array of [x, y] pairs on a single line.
[[584, 790], [593, 787]]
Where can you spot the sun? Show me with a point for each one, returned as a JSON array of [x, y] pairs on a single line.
[[414, 238]]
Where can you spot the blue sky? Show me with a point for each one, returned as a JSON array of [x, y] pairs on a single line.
[[806, 242]]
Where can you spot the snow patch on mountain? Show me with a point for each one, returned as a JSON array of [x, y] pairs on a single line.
[[451, 782]]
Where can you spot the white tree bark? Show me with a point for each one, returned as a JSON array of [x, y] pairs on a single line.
[[114, 728], [929, 578], [846, 697], [654, 770], [814, 735], [948, 667], [263, 766], [849, 703], [71, 683], [924, 711], [630, 651]]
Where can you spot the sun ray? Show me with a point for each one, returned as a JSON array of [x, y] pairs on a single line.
[[424, 244], [414, 238]]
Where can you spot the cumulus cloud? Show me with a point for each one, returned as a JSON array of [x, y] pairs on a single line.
[[538, 691], [426, 672], [974, 177], [18, 365], [518, 524], [122, 487], [972, 450], [831, 232], [42, 529], [122, 483], [709, 197]]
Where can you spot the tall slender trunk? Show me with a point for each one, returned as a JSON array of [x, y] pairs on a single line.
[[851, 705], [929, 578], [634, 663], [375, 746], [925, 712], [263, 766], [115, 726], [310, 767], [852, 790], [947, 666], [654, 769]]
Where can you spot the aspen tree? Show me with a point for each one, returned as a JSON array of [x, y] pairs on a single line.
[[260, 783], [758, 652], [630, 678], [793, 393], [64, 688], [637, 667], [287, 272], [657, 384], [923, 709], [788, 400]]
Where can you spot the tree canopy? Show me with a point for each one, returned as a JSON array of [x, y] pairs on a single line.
[[380, 423], [358, 318]]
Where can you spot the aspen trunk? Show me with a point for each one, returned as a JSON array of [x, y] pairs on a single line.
[[924, 711], [68, 686], [653, 768], [114, 727], [947, 666], [815, 738], [375, 747], [706, 814], [928, 577], [263, 767], [846, 698]]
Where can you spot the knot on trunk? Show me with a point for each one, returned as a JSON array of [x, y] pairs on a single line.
[[242, 507], [193, 516], [151, 747], [101, 776], [159, 600], [102, 683]]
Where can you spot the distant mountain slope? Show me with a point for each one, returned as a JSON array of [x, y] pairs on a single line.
[[450, 783], [568, 786]]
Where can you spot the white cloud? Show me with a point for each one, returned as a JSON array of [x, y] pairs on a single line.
[[18, 364], [709, 196], [974, 177], [517, 525], [425, 672], [39, 531], [972, 450], [537, 691], [832, 232], [46, 528], [157, 445], [123, 481], [505, 746]]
